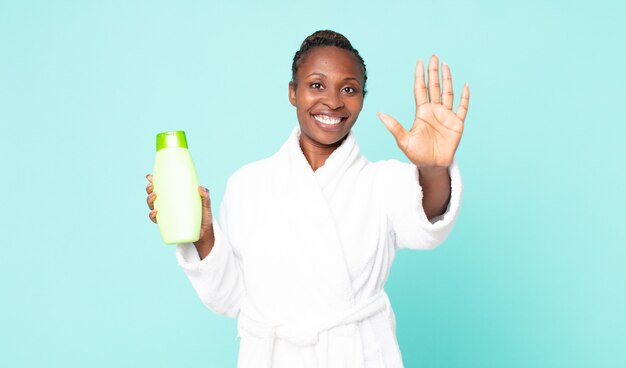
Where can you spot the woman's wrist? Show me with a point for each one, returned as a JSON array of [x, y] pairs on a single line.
[[435, 183], [204, 245], [434, 172]]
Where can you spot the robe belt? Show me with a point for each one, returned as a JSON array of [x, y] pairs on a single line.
[[306, 333]]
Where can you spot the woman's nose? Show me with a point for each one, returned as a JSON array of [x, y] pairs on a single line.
[[333, 100]]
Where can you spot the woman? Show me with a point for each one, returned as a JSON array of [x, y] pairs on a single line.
[[306, 237]]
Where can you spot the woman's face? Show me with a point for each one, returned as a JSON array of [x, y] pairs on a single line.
[[329, 96]]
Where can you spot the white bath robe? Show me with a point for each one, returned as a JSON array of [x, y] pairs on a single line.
[[301, 257]]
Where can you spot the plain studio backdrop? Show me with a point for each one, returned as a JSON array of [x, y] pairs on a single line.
[[533, 275]]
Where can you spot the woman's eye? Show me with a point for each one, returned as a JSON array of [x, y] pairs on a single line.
[[349, 90], [316, 85]]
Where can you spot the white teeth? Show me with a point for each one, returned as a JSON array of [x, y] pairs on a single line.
[[324, 119]]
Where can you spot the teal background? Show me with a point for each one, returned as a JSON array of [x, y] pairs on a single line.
[[533, 274]]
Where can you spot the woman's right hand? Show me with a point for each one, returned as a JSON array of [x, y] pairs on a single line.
[[207, 236]]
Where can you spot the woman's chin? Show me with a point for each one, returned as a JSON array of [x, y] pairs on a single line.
[[326, 134], [320, 137]]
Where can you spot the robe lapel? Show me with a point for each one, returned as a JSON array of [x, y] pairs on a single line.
[[317, 226], [303, 271], [346, 161]]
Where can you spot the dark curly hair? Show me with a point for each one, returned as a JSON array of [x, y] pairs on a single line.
[[325, 38]]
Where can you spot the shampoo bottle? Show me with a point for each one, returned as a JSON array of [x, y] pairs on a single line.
[[175, 182]]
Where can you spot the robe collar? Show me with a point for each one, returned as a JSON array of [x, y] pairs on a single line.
[[345, 157]]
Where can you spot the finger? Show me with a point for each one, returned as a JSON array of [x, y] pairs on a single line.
[[447, 95], [149, 187], [152, 216], [150, 200], [461, 112], [204, 194], [396, 129], [419, 86], [433, 80], [207, 215]]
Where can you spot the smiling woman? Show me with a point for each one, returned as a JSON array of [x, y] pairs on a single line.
[[307, 237]]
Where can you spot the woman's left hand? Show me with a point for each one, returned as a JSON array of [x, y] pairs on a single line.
[[436, 132]]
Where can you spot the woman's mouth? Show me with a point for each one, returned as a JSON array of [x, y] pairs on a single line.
[[327, 122]]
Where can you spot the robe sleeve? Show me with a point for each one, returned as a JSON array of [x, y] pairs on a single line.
[[217, 278], [403, 202]]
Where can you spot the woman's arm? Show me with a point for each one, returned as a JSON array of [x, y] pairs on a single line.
[[210, 263], [406, 203], [216, 278], [213, 267], [435, 135]]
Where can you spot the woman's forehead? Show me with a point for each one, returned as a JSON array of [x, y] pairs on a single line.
[[330, 60]]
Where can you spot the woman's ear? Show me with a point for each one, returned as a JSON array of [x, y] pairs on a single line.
[[292, 93]]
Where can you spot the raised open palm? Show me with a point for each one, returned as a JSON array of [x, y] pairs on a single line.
[[437, 130]]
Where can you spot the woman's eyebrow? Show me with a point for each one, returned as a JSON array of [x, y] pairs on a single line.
[[316, 73], [324, 76]]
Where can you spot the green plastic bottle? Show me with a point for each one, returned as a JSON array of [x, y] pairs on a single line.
[[178, 203]]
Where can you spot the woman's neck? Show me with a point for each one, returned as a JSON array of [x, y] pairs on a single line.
[[316, 153]]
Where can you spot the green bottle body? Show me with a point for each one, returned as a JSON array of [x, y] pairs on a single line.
[[178, 203]]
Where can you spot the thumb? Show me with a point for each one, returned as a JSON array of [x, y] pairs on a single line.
[[395, 128], [206, 200]]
